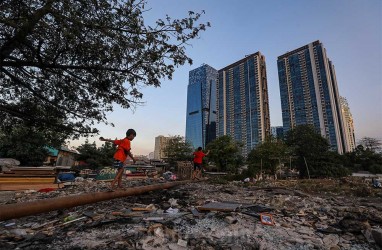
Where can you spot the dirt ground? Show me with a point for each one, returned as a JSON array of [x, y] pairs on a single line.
[[212, 214]]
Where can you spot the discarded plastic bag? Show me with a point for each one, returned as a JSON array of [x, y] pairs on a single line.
[[172, 210]]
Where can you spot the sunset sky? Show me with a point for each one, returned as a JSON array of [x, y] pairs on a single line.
[[351, 31]]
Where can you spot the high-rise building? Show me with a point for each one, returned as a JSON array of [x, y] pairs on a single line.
[[160, 143], [151, 156], [277, 132], [309, 93], [348, 125], [201, 106], [242, 101]]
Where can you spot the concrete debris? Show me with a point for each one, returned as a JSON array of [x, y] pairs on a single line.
[[377, 236], [230, 220], [182, 243], [201, 215]]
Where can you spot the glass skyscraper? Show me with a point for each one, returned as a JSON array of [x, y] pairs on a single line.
[[309, 93], [201, 106], [242, 101]]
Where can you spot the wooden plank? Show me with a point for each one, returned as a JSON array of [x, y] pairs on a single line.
[[26, 181], [27, 178], [23, 174], [184, 170], [141, 209], [19, 186]]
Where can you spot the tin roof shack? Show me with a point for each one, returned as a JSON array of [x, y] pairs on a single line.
[[61, 157]]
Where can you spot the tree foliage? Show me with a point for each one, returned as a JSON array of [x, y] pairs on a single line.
[[364, 159], [308, 147], [63, 64], [27, 144], [327, 164], [177, 149], [96, 157], [371, 144], [312, 152], [306, 141], [269, 154], [225, 152]]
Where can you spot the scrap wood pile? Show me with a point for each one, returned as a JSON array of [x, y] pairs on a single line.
[[201, 215]]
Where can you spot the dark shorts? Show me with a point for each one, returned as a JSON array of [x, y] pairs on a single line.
[[117, 164], [197, 166]]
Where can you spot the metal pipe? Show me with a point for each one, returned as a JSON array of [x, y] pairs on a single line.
[[18, 210]]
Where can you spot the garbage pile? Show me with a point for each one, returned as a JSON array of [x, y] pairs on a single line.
[[200, 215]]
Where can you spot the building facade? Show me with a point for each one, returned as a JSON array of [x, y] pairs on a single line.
[[277, 132], [201, 106], [151, 156], [309, 93], [348, 125], [242, 101], [160, 144]]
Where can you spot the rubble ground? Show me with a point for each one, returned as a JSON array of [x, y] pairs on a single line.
[[307, 214]]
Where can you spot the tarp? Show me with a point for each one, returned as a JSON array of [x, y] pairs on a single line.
[[66, 177], [9, 162], [52, 151]]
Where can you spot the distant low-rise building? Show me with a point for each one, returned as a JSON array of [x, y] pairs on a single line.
[[160, 144], [141, 158], [151, 155]]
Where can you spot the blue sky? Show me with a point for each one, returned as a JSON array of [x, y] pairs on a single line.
[[351, 31]]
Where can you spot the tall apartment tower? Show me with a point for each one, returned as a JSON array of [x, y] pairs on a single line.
[[348, 125], [160, 143], [309, 93], [242, 101], [277, 132], [201, 106]]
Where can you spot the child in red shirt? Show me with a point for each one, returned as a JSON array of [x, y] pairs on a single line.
[[198, 160], [123, 150]]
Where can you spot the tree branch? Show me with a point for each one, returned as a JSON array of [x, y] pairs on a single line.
[[24, 31], [35, 93]]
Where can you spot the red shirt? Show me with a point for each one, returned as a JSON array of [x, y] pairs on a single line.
[[123, 148], [199, 157]]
